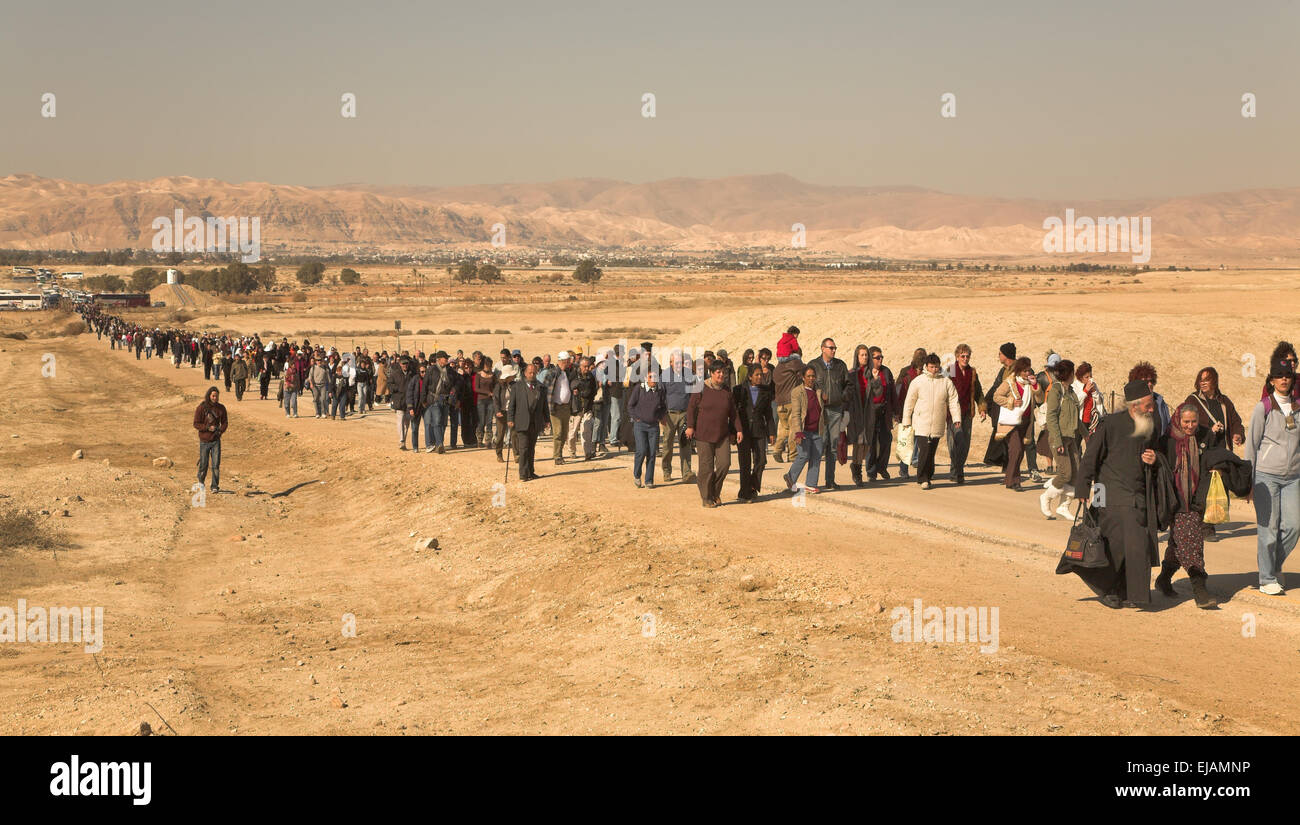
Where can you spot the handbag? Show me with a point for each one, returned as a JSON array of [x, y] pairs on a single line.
[[842, 449], [1216, 500], [1086, 546]]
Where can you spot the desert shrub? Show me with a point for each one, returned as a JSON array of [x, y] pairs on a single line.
[[559, 329], [449, 332], [298, 297], [501, 332], [478, 332], [424, 332], [19, 528]]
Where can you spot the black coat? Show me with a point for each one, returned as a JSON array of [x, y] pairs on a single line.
[[757, 420]]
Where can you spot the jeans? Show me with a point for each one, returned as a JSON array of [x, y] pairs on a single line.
[[959, 446], [339, 406], [453, 419], [615, 419], [363, 396], [290, 400], [646, 437], [483, 430], [435, 418], [1277, 514], [148, 353], [836, 419], [809, 452], [320, 399], [210, 453], [216, 371]]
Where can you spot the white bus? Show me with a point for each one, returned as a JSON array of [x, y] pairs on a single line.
[[21, 300]]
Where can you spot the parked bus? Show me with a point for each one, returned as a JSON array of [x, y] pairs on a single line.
[[21, 300]]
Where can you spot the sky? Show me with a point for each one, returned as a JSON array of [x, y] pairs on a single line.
[[1053, 100]]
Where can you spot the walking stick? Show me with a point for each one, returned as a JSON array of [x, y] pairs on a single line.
[[510, 440]]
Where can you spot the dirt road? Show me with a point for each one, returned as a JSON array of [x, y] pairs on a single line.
[[581, 605]]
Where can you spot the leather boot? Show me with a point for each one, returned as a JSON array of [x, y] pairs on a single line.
[[1047, 499], [1204, 598], [856, 470], [1164, 582]]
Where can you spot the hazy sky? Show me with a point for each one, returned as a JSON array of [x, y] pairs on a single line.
[[1054, 99]]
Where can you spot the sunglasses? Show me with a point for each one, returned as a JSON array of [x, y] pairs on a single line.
[[877, 358]]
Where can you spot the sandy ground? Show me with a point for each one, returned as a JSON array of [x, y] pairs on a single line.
[[586, 605]]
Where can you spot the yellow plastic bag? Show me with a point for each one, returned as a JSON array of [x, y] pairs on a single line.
[[1216, 500]]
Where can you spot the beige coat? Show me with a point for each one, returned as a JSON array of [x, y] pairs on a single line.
[[930, 400]]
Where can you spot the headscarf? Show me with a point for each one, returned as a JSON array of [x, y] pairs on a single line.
[[1187, 456]]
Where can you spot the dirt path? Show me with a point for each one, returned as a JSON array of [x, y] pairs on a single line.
[[532, 617]]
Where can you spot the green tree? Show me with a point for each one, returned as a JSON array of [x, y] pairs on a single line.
[[311, 273], [350, 276], [467, 271], [587, 272], [146, 278], [489, 273]]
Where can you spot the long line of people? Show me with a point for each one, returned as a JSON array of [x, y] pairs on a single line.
[[1045, 425]]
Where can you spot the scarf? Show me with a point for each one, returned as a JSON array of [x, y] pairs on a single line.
[[1187, 464], [964, 382]]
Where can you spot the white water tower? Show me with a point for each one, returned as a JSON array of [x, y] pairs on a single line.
[[171, 276]]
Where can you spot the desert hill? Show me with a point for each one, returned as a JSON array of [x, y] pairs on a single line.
[[686, 214]]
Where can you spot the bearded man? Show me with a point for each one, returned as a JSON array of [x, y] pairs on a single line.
[[1121, 459]]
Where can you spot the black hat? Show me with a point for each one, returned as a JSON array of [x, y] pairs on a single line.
[[646, 345], [1009, 350], [1281, 369], [440, 354], [1135, 390]]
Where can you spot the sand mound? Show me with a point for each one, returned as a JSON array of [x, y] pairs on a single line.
[[181, 296]]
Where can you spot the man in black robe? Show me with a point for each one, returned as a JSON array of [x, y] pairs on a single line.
[[996, 454], [1120, 459]]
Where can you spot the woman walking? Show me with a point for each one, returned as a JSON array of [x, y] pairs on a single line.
[[1015, 396], [1064, 430], [1273, 447], [1186, 446], [647, 403]]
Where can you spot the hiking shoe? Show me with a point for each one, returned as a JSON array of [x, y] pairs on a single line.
[[925, 485], [1271, 589], [667, 474], [1036, 476], [649, 485], [636, 482], [809, 490], [1111, 600], [903, 472], [440, 450], [429, 449], [501, 458], [403, 447], [789, 485], [688, 478]]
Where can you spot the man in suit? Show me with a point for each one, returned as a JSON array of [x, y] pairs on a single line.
[[758, 423], [526, 414]]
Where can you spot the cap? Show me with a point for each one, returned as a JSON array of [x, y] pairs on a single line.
[[1135, 390], [563, 356]]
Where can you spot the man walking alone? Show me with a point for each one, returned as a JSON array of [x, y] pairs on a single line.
[[210, 420]]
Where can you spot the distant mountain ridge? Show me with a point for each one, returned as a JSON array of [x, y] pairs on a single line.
[[681, 214]]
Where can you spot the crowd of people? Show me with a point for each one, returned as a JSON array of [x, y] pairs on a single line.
[[1141, 469]]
